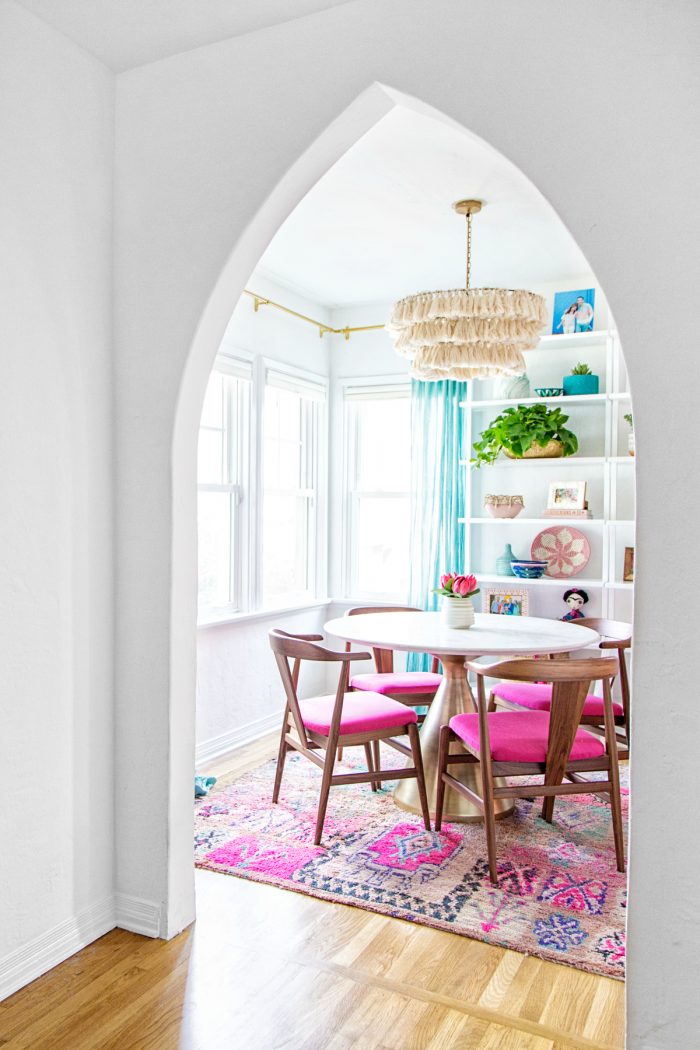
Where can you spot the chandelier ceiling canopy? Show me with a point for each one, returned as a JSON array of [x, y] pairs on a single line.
[[467, 333]]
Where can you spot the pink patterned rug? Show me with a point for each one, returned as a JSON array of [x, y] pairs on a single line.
[[560, 896]]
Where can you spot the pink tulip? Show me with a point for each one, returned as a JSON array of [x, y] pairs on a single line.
[[464, 585]]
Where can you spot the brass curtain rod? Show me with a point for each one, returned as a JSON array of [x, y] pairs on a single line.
[[323, 329]]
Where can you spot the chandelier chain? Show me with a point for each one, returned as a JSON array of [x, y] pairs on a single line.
[[469, 248]]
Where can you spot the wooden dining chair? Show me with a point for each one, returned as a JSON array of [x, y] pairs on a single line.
[[530, 743], [537, 696], [415, 688], [347, 719]]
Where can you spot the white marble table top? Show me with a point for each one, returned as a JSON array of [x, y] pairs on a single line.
[[491, 635]]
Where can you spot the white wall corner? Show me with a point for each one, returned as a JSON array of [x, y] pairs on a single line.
[[139, 916], [218, 746], [41, 954]]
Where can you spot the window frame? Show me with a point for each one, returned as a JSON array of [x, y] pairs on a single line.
[[245, 444], [353, 390]]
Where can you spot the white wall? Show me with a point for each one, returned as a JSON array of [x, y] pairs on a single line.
[[56, 816], [239, 693]]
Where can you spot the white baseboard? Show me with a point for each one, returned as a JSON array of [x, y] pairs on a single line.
[[138, 915], [33, 959], [218, 746]]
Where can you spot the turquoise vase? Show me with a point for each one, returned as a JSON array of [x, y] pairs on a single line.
[[503, 567]]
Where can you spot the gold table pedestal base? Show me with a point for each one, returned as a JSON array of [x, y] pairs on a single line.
[[454, 697]]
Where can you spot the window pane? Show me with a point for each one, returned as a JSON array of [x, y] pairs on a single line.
[[285, 547], [215, 526], [210, 457], [282, 464], [382, 544], [384, 445]]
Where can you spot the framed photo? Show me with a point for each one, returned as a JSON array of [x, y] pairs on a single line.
[[628, 567], [566, 495], [573, 311], [505, 601]]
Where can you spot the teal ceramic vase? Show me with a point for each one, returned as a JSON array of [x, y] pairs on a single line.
[[503, 567]]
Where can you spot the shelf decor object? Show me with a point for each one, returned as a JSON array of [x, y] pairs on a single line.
[[503, 506], [505, 601], [529, 570], [581, 381], [457, 591], [467, 333], [549, 391], [526, 432], [566, 550], [505, 561], [630, 437]]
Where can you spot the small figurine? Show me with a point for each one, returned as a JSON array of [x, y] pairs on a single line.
[[575, 598]]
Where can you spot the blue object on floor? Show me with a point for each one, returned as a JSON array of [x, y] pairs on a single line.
[[202, 786]]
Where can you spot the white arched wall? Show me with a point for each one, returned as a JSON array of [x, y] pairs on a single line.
[[207, 140]]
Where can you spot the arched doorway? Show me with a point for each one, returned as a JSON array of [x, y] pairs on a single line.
[[369, 109]]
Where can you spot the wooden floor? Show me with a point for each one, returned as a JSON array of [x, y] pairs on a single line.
[[267, 969]]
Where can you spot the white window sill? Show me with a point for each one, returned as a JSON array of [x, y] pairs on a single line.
[[216, 619]]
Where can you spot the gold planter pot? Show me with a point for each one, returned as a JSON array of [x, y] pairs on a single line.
[[552, 450]]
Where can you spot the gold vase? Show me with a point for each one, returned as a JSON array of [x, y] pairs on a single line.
[[552, 450]]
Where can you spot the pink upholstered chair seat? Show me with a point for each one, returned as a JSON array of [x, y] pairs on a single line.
[[521, 736], [538, 697], [397, 682], [362, 713]]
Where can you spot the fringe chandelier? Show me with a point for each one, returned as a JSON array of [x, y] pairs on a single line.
[[467, 333]]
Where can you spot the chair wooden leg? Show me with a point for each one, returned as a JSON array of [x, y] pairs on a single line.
[[443, 749], [420, 775], [377, 758], [340, 754], [370, 764], [489, 823], [492, 703], [281, 756], [328, 765], [616, 807], [548, 808]]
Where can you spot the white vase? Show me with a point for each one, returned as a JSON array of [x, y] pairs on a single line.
[[457, 612]]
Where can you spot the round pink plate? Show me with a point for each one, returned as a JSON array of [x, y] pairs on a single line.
[[567, 550]]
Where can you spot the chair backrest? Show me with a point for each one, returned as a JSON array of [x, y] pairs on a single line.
[[298, 647], [589, 669], [384, 658], [615, 634]]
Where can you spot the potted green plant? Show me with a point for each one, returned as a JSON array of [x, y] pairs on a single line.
[[630, 438], [526, 432], [581, 381]]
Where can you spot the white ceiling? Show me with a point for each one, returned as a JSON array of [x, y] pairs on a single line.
[[127, 33], [380, 225]]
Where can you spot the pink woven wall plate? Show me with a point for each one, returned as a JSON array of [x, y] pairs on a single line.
[[565, 549]]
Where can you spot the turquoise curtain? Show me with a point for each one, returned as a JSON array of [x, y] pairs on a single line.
[[438, 483]]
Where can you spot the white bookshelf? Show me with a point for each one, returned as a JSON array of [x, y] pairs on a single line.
[[602, 462]]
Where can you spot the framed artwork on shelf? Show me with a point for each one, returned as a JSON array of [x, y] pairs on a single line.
[[628, 566], [505, 601], [573, 311], [567, 495]]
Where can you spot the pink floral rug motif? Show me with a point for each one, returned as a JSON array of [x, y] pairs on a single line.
[[560, 896]]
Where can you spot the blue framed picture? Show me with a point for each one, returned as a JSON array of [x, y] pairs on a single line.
[[573, 311]]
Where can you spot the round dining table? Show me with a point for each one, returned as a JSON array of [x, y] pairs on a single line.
[[490, 636]]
